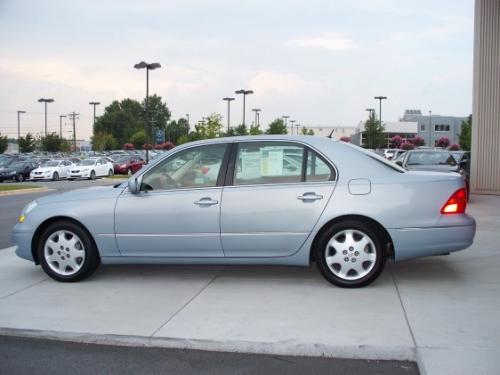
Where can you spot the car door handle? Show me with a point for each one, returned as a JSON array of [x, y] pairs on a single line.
[[206, 202], [310, 197]]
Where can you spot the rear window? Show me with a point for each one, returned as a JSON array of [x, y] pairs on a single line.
[[431, 158]]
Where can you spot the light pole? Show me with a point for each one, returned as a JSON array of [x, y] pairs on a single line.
[[148, 67], [19, 124], [285, 119], [94, 104], [256, 110], [245, 93], [73, 116], [292, 122], [187, 118], [430, 131], [380, 98], [60, 124], [297, 127], [44, 100], [228, 100]]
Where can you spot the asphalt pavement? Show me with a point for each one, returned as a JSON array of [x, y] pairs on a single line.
[[36, 356]]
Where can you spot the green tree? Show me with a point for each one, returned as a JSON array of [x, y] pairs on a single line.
[[27, 143], [255, 130], [159, 114], [209, 127], [464, 139], [103, 141], [305, 131], [277, 127], [373, 135], [138, 139], [4, 143], [52, 142], [241, 130], [176, 129]]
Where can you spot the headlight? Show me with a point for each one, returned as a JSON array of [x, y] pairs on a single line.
[[26, 210]]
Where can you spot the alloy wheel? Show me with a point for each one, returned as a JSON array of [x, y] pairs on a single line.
[[64, 252]]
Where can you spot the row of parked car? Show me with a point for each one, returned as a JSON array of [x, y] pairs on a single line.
[[56, 167]]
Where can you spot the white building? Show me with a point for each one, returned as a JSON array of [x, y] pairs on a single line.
[[405, 129]]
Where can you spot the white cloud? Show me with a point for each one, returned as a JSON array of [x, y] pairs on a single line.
[[330, 41], [273, 82]]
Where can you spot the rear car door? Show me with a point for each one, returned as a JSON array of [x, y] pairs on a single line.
[[274, 196]]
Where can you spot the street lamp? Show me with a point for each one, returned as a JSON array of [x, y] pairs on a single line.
[[430, 134], [228, 100], [380, 98], [44, 100], [94, 104], [285, 118], [19, 124], [256, 110], [292, 122], [60, 124], [148, 67], [245, 93]]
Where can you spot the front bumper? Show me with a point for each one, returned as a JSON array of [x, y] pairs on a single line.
[[22, 239], [412, 243]]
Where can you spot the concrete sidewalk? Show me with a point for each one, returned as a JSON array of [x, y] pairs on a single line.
[[442, 312]]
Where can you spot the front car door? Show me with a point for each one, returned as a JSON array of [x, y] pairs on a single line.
[[274, 197], [177, 211]]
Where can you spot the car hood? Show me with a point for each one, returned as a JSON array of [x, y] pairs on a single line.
[[86, 194], [45, 169]]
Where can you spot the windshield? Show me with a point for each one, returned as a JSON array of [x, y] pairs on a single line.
[[50, 164], [87, 162], [5, 162], [431, 158]]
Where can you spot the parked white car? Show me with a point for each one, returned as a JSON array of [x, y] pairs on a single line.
[[91, 168], [52, 170]]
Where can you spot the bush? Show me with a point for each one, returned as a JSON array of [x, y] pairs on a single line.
[[165, 146], [147, 146], [407, 146], [417, 141], [454, 147], [345, 139], [443, 142], [128, 146], [396, 141]]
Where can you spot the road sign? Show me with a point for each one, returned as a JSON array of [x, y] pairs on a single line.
[[159, 136]]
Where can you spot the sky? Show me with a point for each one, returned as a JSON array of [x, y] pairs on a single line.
[[320, 62]]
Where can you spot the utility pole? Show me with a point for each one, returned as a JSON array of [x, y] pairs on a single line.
[[380, 98], [94, 104], [60, 124], [45, 101], [285, 119], [292, 122], [297, 126], [19, 124], [228, 100], [256, 110], [73, 116]]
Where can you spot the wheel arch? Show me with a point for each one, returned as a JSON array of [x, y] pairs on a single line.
[[384, 234], [46, 223]]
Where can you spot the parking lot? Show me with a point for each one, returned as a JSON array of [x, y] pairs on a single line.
[[437, 311]]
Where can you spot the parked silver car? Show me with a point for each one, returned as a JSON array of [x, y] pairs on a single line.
[[253, 200]]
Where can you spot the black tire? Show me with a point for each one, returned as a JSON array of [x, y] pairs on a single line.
[[92, 175], [320, 253], [20, 177], [110, 173], [55, 176], [90, 263]]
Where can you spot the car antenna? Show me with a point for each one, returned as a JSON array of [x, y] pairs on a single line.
[[330, 136]]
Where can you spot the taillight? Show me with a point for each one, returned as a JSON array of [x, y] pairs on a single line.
[[456, 203]]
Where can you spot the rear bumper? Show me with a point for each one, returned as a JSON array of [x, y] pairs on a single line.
[[412, 243]]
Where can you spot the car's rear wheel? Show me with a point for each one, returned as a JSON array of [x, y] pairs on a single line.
[[55, 176], [350, 254], [66, 252], [110, 173], [92, 175]]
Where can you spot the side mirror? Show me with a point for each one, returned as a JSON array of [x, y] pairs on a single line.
[[399, 162], [134, 184]]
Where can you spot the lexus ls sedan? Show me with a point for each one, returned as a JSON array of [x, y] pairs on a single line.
[[274, 200]]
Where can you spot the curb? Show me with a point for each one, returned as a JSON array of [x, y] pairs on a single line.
[[24, 191], [291, 348]]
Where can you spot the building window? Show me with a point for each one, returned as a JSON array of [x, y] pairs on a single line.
[[422, 127], [441, 128]]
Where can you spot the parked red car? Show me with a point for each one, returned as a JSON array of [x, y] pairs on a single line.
[[127, 164]]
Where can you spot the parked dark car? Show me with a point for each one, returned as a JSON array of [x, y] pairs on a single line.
[[19, 170], [127, 164], [435, 160]]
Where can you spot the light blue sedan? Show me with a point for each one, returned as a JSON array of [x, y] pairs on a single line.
[[280, 200]]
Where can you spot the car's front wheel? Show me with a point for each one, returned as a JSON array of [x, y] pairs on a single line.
[[110, 173], [350, 254], [55, 176], [92, 175], [66, 252], [20, 177]]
